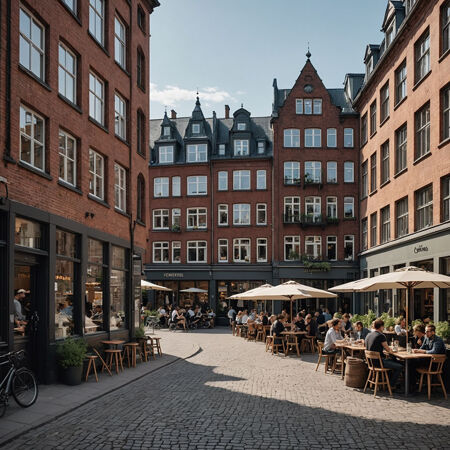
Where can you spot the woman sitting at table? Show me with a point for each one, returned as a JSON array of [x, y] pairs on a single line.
[[400, 326], [419, 335], [346, 324], [277, 329]]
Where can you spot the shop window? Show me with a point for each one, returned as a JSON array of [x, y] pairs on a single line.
[[28, 233], [118, 289], [94, 307]]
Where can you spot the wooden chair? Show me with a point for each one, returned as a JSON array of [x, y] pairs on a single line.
[[259, 333], [269, 343], [114, 356], [147, 351], [291, 343], [277, 344], [435, 368], [104, 365], [308, 343], [91, 364], [375, 364], [251, 333], [329, 357]]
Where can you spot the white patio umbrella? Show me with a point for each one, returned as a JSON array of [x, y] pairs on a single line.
[[151, 286], [194, 290], [251, 294], [351, 286]]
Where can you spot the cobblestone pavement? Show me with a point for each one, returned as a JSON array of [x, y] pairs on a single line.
[[234, 395]]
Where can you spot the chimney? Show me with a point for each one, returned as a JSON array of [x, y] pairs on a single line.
[[227, 112], [173, 114]]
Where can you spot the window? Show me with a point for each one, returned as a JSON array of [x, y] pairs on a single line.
[[120, 188], [197, 153], [423, 131], [166, 155], [241, 180], [241, 126], [291, 138], [385, 162], [385, 224], [176, 219], [96, 98], [67, 73], [349, 247], [160, 252], [160, 219], [120, 116], [28, 234], [313, 209], [313, 172], [307, 103], [141, 18], [176, 251], [261, 147], [299, 106], [223, 215], [261, 250], [241, 147], [291, 209], [349, 172], [424, 208], [400, 82], [32, 44], [364, 129], [422, 56], [222, 246], [118, 284], [97, 20], [197, 185], [313, 247], [332, 207], [445, 99], [364, 179], [221, 149], [32, 138], [96, 174], [140, 69], [331, 172], [292, 248], [384, 102], [196, 218], [72, 5], [120, 43], [140, 133], [161, 187], [349, 207], [408, 5], [446, 198], [373, 229], [195, 128], [166, 131], [364, 239], [373, 172], [313, 137], [317, 106], [445, 30], [140, 199], [390, 34], [196, 251], [95, 286], [223, 181], [261, 179], [401, 217], [241, 250], [308, 106], [292, 172], [400, 148], [241, 214], [67, 158], [373, 117], [331, 248], [261, 214], [176, 186], [348, 138], [331, 137]]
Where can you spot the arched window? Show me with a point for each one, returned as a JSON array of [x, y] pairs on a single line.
[[140, 210], [140, 69]]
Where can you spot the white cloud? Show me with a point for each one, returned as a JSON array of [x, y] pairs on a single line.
[[172, 95]]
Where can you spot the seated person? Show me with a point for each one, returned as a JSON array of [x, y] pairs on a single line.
[[277, 329], [97, 314], [265, 319], [327, 315], [361, 331], [400, 326], [376, 342], [432, 344], [346, 324], [311, 326], [18, 314], [239, 318], [419, 335], [162, 315], [272, 319], [211, 318], [252, 315], [244, 318], [333, 335], [190, 315]]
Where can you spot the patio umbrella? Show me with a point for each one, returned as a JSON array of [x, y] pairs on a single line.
[[194, 290], [351, 286], [151, 286], [251, 294]]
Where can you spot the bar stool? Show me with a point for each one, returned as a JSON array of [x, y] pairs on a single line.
[[91, 359], [155, 344], [114, 355], [130, 349]]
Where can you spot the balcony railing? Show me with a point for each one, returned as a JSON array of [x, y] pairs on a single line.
[[291, 218], [312, 220], [292, 181]]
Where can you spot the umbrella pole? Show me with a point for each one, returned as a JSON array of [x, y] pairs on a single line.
[[291, 308], [407, 313]]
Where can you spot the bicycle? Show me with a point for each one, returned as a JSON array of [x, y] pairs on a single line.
[[19, 381]]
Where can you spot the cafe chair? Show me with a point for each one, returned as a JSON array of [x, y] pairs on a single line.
[[91, 365], [277, 344], [329, 358], [308, 344], [292, 344], [269, 343], [251, 333], [155, 344], [130, 352], [375, 365], [435, 368], [114, 357], [104, 365], [259, 333]]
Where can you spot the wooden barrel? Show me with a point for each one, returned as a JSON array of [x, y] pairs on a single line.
[[355, 372]]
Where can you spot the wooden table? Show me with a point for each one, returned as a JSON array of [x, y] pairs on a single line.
[[292, 333], [343, 345], [113, 343]]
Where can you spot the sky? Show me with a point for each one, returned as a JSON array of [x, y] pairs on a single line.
[[231, 50]]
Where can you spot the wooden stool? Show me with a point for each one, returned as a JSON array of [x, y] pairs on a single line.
[[147, 351], [91, 359], [327, 357], [104, 365], [435, 368], [373, 378], [154, 342], [130, 347], [116, 355]]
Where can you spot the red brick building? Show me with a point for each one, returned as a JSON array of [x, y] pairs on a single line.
[[74, 107]]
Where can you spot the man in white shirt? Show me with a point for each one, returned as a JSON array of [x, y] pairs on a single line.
[[244, 318], [333, 335]]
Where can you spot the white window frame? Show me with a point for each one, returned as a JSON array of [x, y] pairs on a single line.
[[291, 138], [166, 131], [242, 244], [314, 243], [298, 106], [120, 42], [261, 147], [317, 106], [72, 5], [261, 207], [197, 153], [332, 207], [120, 116], [349, 172], [332, 240], [33, 140], [332, 166], [197, 181], [176, 245], [197, 246], [261, 243], [307, 106], [95, 13], [313, 171], [221, 149], [96, 174], [65, 160], [349, 138], [313, 207], [241, 147], [349, 202], [163, 248], [241, 126], [165, 154], [176, 186], [222, 244], [261, 181], [292, 209], [176, 218], [313, 137], [240, 178], [349, 238], [160, 185], [197, 218], [195, 128], [120, 188], [422, 56], [160, 219], [294, 242], [241, 214], [96, 98], [331, 137], [222, 180], [65, 74], [290, 169], [222, 209]]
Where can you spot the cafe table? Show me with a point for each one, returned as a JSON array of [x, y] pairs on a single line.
[[352, 347], [113, 344], [287, 334]]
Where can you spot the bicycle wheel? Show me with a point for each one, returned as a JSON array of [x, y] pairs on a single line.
[[24, 387]]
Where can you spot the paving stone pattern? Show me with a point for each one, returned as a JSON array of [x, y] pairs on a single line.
[[234, 395]]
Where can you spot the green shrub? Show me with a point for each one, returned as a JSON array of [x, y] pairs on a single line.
[[71, 352], [443, 330], [416, 322], [388, 320]]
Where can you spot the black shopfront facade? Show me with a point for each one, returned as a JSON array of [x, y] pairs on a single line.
[[79, 282]]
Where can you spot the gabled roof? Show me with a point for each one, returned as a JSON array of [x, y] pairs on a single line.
[[394, 7]]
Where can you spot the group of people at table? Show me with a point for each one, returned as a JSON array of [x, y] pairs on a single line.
[[193, 317]]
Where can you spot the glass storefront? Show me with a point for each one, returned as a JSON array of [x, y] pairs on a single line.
[[228, 288], [424, 298], [28, 233], [118, 319]]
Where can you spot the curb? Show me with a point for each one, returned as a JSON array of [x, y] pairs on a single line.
[[197, 349]]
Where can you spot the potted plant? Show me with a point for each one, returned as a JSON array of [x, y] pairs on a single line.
[[443, 330], [70, 354]]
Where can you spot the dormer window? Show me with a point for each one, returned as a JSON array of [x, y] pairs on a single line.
[[166, 155], [221, 149], [241, 126], [166, 131], [390, 34], [261, 147], [241, 147], [369, 67], [195, 128]]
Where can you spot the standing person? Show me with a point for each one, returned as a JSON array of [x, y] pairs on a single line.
[[18, 314], [231, 316]]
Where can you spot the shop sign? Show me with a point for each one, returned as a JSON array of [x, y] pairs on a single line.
[[173, 275], [420, 248]]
